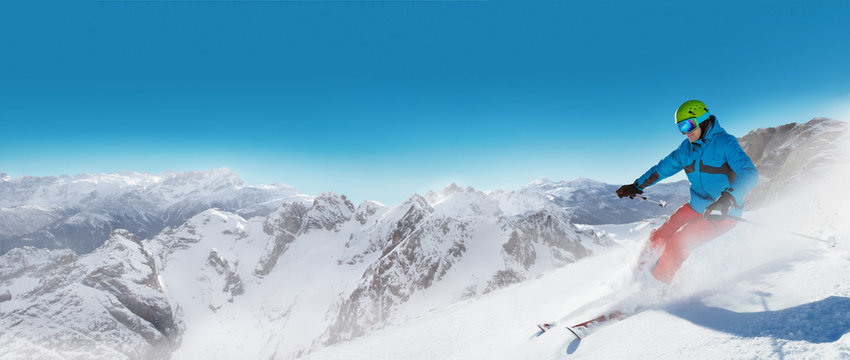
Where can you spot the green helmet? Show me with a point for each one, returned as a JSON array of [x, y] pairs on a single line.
[[690, 109]]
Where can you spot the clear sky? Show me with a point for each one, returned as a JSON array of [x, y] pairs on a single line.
[[381, 99]]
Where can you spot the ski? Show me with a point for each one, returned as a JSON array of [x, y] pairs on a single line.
[[611, 310], [545, 327], [582, 330]]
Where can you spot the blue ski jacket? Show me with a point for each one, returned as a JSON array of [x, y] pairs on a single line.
[[713, 164]]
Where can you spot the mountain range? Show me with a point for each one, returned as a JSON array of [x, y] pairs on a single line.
[[80, 212], [209, 267]]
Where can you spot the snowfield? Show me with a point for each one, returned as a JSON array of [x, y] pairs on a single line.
[[741, 296], [459, 274], [755, 293]]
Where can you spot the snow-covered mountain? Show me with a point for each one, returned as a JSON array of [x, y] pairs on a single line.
[[309, 275], [80, 212], [788, 157], [106, 304], [757, 292], [332, 271], [792, 156], [593, 202], [317, 273]]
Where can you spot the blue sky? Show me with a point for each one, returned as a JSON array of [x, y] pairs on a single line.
[[382, 99]]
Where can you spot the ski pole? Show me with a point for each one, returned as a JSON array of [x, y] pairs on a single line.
[[660, 203], [831, 240]]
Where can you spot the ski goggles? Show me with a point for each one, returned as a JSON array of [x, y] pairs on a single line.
[[688, 125]]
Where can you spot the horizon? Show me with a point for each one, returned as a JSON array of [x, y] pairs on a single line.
[[540, 180], [381, 100], [676, 178]]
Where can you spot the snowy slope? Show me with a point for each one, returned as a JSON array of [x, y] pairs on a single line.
[[785, 305], [756, 292], [308, 276], [750, 294], [282, 285], [789, 155], [456, 274]]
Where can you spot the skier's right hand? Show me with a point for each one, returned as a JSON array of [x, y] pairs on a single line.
[[629, 190]]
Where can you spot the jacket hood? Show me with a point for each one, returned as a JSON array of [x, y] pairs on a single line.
[[714, 129]]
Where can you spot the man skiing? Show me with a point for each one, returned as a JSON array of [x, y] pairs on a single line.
[[720, 174]]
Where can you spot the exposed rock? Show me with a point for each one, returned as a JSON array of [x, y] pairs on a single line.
[[366, 210], [426, 245], [106, 304], [791, 155], [232, 281], [328, 212], [283, 225]]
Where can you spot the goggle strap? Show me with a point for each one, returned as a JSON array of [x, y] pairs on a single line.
[[696, 122]]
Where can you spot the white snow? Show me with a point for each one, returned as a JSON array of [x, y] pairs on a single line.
[[741, 296], [756, 292]]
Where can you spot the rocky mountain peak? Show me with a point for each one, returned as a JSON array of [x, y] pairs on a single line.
[[367, 209], [104, 304], [122, 255], [415, 203], [328, 212], [208, 179], [448, 191], [289, 217], [782, 153]]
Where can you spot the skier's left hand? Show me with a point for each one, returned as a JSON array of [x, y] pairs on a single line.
[[723, 204]]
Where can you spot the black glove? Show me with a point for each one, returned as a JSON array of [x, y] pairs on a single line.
[[723, 204], [629, 190]]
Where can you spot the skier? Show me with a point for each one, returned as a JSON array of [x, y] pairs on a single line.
[[720, 174]]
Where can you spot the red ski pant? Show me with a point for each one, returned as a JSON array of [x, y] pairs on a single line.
[[682, 232]]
